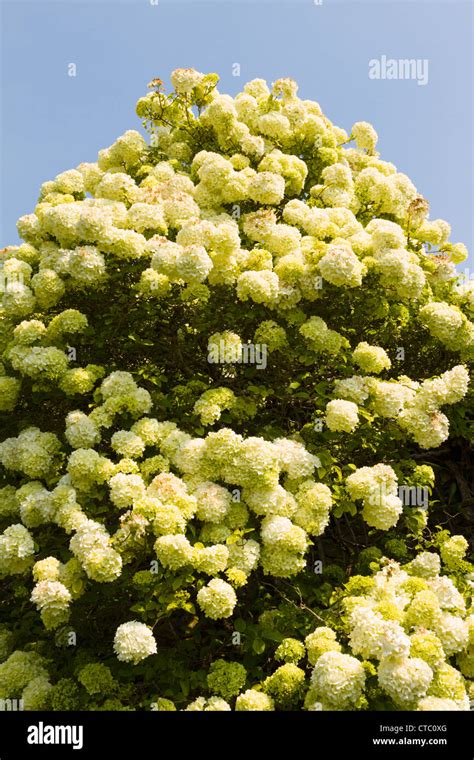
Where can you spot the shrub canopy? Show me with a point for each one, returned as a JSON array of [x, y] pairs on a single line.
[[234, 399]]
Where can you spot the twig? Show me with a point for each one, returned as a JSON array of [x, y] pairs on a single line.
[[301, 606]]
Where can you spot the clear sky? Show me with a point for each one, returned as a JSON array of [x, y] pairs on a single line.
[[52, 121]]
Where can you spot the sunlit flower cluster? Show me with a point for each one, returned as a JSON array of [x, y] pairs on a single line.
[[152, 467]]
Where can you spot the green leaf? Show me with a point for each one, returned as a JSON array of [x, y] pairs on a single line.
[[271, 634], [258, 646]]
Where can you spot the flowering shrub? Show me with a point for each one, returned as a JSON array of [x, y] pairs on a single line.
[[229, 359]]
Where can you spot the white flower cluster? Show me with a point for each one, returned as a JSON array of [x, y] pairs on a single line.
[[213, 704], [134, 642], [24, 674], [342, 415], [337, 682], [377, 487], [422, 417], [415, 406], [130, 214], [163, 505], [16, 550], [52, 600], [412, 620], [32, 453], [281, 211], [217, 599], [371, 358], [91, 545], [450, 326]]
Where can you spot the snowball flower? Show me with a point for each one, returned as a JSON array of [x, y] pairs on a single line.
[[253, 700], [127, 444], [280, 532], [314, 502], [371, 358], [453, 551], [340, 266], [322, 640], [52, 600], [425, 565], [342, 416], [213, 502], [125, 489], [295, 459], [437, 704], [338, 680], [405, 679], [184, 80], [174, 551], [384, 513], [16, 550], [226, 678], [92, 547], [217, 599], [373, 637], [267, 188], [444, 322], [134, 642], [365, 136], [213, 704], [259, 286], [81, 432], [353, 388]]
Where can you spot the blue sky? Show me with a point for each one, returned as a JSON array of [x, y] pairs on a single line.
[[52, 122]]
